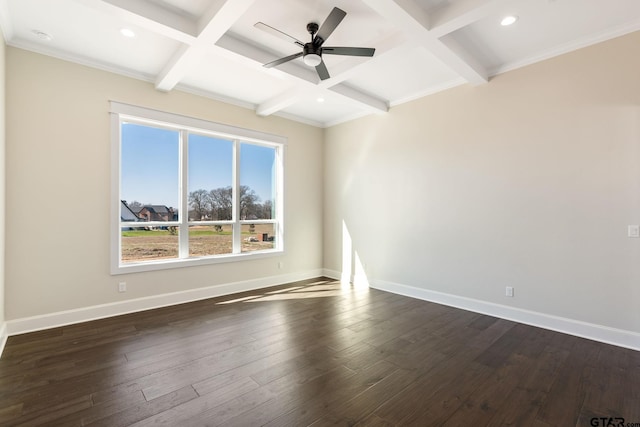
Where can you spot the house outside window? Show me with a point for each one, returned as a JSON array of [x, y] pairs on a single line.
[[188, 192]]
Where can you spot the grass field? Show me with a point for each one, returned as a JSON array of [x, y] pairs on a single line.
[[146, 245]]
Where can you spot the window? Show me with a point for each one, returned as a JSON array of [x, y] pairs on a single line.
[[189, 192]]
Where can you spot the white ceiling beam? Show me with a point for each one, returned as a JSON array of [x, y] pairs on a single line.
[[183, 60], [291, 96], [459, 14], [216, 21], [279, 102], [461, 62], [220, 17], [369, 102], [414, 21], [460, 52]]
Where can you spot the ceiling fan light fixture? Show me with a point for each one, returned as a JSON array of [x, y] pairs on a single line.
[[312, 59]]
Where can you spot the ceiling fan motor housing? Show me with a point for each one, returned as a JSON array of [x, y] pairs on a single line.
[[311, 49]]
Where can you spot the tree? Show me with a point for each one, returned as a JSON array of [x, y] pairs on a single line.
[[218, 203], [135, 206], [199, 201], [221, 203], [248, 202], [267, 210]]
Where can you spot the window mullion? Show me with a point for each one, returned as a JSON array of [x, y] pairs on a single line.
[[183, 235], [279, 195], [237, 230]]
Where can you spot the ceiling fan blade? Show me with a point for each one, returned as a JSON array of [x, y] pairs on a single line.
[[323, 73], [282, 60], [333, 20], [351, 51], [284, 36]]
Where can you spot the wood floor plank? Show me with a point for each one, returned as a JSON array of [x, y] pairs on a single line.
[[565, 398], [132, 414], [296, 394], [482, 404], [50, 414], [318, 405], [522, 405], [9, 413], [314, 352], [168, 380], [103, 409], [362, 405], [441, 394]]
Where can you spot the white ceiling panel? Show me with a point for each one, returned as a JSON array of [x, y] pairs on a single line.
[[413, 71], [332, 109], [546, 29], [213, 48], [84, 33], [232, 79]]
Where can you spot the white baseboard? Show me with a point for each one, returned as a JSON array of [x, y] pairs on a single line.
[[3, 336], [605, 334], [85, 314], [332, 274], [618, 337]]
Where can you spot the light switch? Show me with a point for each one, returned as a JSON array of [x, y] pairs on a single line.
[[633, 231]]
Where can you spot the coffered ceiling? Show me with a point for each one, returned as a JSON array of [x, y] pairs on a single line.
[[213, 48]]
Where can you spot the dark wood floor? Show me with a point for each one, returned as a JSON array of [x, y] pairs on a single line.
[[313, 353]]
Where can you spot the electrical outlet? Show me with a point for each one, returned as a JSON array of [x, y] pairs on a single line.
[[509, 291], [122, 287], [280, 265], [633, 231]]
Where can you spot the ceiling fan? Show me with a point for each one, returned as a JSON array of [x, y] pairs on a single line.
[[312, 52]]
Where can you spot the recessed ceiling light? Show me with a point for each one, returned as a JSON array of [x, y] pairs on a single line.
[[127, 32], [42, 35], [321, 99], [508, 20]]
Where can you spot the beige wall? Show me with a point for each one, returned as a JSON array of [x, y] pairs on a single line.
[[529, 181], [58, 184], [2, 181]]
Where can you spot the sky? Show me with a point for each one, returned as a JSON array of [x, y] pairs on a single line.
[[150, 165]]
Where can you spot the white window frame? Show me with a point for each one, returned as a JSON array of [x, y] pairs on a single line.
[[124, 112]]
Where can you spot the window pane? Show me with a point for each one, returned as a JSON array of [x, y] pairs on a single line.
[[173, 176], [149, 171], [258, 237], [146, 244], [210, 178], [210, 240], [257, 181]]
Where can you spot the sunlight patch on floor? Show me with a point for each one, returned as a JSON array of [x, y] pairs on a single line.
[[319, 289]]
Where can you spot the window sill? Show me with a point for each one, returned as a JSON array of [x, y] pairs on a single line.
[[192, 262]]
